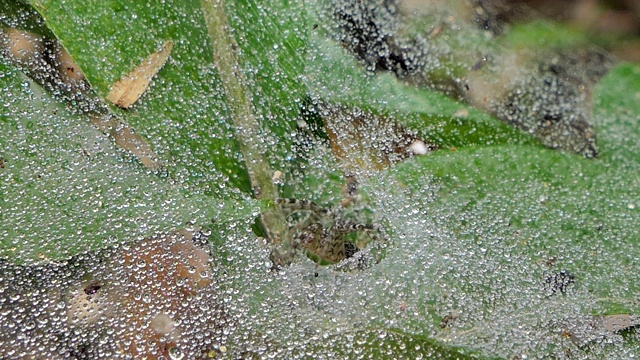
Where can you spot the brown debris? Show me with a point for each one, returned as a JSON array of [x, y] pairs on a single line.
[[154, 299], [366, 142]]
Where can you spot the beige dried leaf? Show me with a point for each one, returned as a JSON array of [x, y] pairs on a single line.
[[126, 91]]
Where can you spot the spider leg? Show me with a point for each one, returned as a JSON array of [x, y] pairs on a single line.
[[346, 227], [314, 213], [350, 249], [374, 232], [303, 205]]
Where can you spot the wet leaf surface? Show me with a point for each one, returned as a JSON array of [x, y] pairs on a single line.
[[67, 188], [493, 245]]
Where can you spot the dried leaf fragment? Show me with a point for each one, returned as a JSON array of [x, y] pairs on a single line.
[[126, 91], [365, 142], [619, 322], [22, 46]]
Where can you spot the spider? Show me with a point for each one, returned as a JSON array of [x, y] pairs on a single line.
[[320, 232]]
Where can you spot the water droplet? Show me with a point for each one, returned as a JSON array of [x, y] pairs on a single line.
[[175, 353]]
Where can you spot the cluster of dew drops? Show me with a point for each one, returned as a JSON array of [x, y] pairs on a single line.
[[156, 298]]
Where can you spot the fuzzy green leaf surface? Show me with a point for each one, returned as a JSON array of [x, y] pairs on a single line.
[[66, 188], [479, 232], [183, 115], [498, 224], [435, 117]]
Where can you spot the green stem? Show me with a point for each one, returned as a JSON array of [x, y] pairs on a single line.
[[239, 99]]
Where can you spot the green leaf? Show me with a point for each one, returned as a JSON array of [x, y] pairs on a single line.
[[543, 34], [388, 343], [66, 188], [17, 15], [499, 223], [435, 117], [478, 233], [616, 111], [183, 114]]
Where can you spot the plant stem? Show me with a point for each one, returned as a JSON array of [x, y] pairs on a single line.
[[239, 99]]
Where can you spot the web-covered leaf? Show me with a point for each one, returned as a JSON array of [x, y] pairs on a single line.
[[67, 188]]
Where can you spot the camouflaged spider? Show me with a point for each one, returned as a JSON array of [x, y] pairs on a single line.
[[321, 233]]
